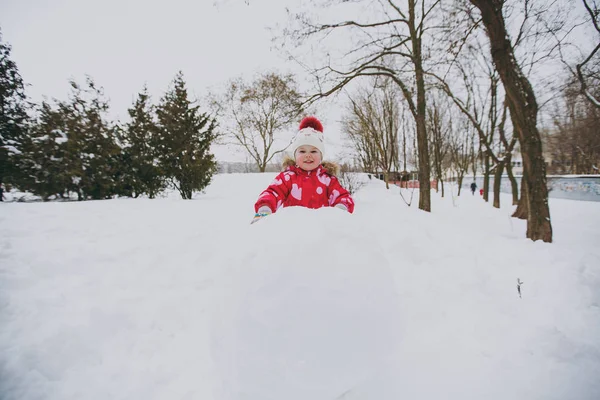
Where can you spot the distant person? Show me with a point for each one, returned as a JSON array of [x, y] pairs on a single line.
[[473, 188], [306, 180], [481, 192]]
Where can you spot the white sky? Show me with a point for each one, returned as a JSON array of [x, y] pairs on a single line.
[[124, 44]]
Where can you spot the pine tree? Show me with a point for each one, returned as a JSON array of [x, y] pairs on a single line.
[[13, 118], [73, 148], [140, 152], [44, 160], [123, 174], [184, 138], [95, 151]]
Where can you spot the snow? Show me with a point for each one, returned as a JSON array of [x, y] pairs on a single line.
[[61, 136], [12, 149], [165, 298]]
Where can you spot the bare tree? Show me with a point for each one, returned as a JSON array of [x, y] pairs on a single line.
[[407, 132], [259, 111], [363, 147], [373, 124], [523, 108], [462, 150], [481, 109], [592, 73], [574, 143], [390, 45], [440, 129], [505, 161]]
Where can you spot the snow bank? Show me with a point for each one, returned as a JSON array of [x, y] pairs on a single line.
[[311, 313], [172, 299]]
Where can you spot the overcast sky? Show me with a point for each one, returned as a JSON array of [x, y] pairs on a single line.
[[124, 44]]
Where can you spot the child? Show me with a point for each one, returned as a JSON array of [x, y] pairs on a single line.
[[306, 181]]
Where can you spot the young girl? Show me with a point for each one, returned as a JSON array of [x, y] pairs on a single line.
[[306, 181]]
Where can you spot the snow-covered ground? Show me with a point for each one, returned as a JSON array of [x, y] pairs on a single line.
[[173, 299]]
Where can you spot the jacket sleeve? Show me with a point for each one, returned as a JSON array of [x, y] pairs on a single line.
[[339, 195], [274, 195]]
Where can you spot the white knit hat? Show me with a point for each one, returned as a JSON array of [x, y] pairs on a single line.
[[310, 133]]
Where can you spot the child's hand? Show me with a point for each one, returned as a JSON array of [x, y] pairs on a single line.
[[262, 212], [341, 207]]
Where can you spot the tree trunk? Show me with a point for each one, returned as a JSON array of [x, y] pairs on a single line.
[[422, 142], [486, 177], [523, 109], [424, 176], [513, 182], [497, 183], [261, 162], [521, 211], [403, 147], [438, 164]]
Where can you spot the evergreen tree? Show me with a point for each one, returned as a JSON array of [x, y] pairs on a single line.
[[94, 150], [73, 147], [123, 174], [13, 118], [140, 148], [184, 139], [45, 157]]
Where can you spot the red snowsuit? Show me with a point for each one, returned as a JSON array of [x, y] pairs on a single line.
[[312, 189]]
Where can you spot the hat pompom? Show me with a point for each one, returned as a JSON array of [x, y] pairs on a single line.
[[311, 122]]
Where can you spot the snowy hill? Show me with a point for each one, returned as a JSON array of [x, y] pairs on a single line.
[[173, 299]]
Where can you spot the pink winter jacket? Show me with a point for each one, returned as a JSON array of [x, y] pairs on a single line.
[[312, 189]]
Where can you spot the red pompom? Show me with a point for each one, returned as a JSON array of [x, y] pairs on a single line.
[[311, 122]]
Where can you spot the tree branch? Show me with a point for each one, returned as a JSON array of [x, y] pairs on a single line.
[[446, 88]]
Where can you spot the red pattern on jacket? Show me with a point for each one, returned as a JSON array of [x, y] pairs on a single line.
[[311, 189]]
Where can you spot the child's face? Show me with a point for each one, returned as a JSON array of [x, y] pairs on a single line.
[[308, 157]]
